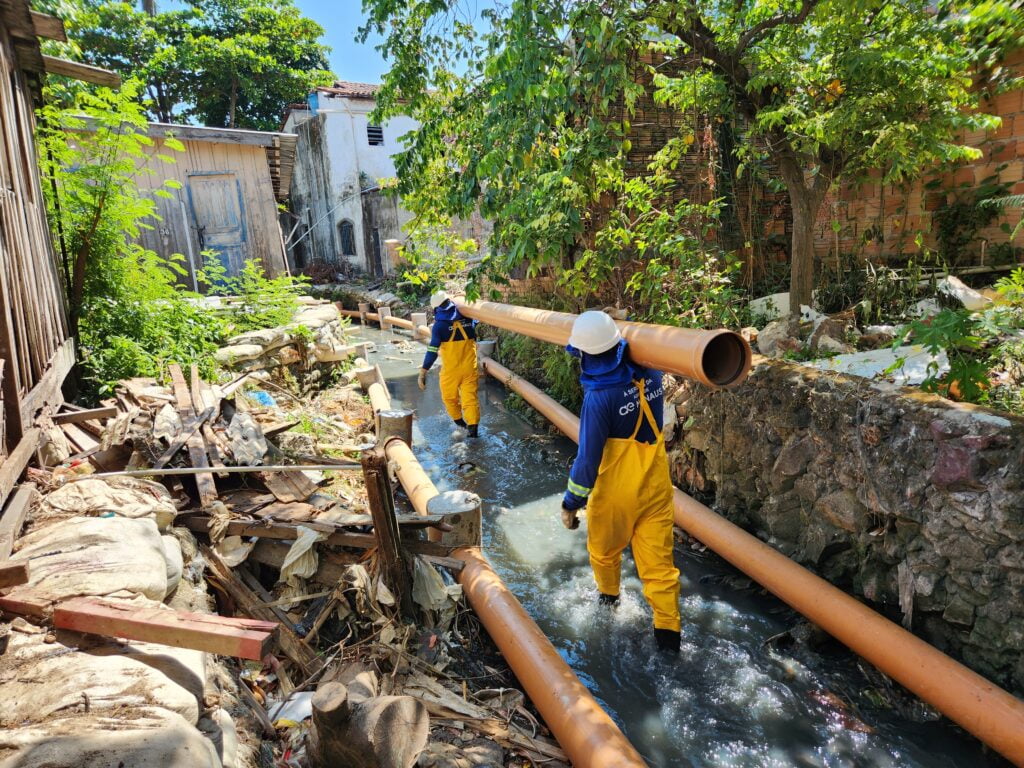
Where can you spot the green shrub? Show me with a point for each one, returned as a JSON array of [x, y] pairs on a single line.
[[258, 301]]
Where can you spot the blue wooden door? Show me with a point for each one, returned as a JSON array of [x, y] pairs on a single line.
[[219, 213]]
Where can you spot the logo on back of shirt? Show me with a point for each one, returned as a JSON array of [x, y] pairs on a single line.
[[633, 393]]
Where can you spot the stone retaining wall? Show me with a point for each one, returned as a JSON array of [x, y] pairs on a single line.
[[911, 501]]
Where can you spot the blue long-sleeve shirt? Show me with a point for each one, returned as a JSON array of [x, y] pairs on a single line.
[[611, 406], [441, 331]]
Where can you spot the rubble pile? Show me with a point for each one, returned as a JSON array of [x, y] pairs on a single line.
[[259, 495], [316, 335]]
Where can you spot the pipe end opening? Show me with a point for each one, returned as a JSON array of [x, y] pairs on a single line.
[[726, 359]]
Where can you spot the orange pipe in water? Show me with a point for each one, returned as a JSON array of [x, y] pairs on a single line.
[[716, 359], [583, 729], [980, 706]]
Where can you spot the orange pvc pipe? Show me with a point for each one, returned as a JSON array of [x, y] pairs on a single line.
[[980, 706], [719, 358], [349, 312], [584, 730]]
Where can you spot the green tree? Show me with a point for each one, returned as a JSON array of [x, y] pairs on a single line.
[[529, 117], [231, 63], [127, 311]]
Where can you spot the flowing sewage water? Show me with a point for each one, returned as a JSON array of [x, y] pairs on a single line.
[[729, 700]]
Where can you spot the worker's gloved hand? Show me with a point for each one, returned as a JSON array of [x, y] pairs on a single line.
[[422, 379], [570, 518]]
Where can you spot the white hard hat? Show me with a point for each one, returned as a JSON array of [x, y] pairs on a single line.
[[594, 332], [437, 299]]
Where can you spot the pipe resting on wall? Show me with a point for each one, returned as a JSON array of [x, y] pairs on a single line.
[[583, 729], [980, 706]]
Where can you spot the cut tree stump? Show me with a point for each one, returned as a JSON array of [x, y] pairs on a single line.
[[240, 638], [378, 732]]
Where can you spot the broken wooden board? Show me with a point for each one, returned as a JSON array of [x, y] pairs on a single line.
[[335, 537], [13, 518], [248, 602], [13, 573], [239, 638], [205, 484], [74, 417], [289, 486]]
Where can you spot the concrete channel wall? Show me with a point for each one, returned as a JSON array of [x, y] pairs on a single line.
[[911, 501]]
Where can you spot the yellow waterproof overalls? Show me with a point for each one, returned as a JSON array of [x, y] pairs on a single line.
[[632, 504], [460, 376]]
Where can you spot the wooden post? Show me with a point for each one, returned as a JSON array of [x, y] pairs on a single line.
[[394, 423], [385, 526], [384, 313], [364, 307]]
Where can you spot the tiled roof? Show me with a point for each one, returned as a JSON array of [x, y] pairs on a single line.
[[351, 90]]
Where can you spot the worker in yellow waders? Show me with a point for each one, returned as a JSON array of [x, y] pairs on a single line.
[[454, 336], [621, 473]]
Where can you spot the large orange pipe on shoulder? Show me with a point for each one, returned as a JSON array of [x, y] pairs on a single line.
[[978, 705], [719, 358], [584, 730]]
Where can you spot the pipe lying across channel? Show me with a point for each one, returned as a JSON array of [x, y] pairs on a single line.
[[719, 358], [980, 706], [583, 729]]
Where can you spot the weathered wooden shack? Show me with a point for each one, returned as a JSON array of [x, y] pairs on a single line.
[[231, 181], [36, 351]]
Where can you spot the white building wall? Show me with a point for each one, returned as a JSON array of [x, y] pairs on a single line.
[[354, 165]]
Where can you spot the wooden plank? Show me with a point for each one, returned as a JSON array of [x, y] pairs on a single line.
[[13, 518], [17, 460], [79, 71], [47, 392], [389, 542], [329, 572], [248, 602], [13, 573], [48, 26], [25, 605], [205, 483], [75, 417], [239, 638]]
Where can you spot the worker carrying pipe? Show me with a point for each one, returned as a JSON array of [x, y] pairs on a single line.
[[453, 336], [621, 473]]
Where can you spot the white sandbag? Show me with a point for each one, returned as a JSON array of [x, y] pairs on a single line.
[[148, 738], [122, 496], [175, 561], [47, 678], [95, 556]]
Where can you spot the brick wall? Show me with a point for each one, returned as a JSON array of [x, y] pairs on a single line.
[[882, 220], [877, 221]]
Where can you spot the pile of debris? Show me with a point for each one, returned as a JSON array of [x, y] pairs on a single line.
[[316, 335], [342, 662], [837, 342]]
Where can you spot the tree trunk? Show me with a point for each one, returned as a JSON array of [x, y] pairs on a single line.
[[801, 260]]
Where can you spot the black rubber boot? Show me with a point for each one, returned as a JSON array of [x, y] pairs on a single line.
[[473, 430], [667, 640], [460, 423], [609, 601]]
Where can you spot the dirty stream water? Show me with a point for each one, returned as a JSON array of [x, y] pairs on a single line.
[[729, 700]]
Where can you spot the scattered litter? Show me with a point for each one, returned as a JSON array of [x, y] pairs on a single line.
[[955, 288], [294, 709], [262, 398], [914, 364]]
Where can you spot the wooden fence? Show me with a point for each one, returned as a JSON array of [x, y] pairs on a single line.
[[36, 351]]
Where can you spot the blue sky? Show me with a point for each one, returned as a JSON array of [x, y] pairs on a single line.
[[349, 60], [359, 62]]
